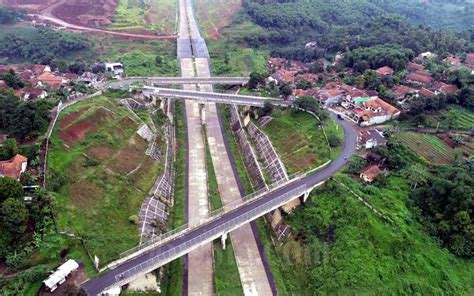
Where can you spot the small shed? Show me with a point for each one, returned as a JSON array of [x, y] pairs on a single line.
[[59, 276]]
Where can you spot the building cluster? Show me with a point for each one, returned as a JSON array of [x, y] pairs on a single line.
[[39, 80], [362, 105]]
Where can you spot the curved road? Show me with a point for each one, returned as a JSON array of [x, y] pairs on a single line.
[[97, 285]]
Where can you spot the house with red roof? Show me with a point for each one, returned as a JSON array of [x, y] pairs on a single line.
[[446, 89], [423, 92], [51, 80], [14, 167], [368, 174], [370, 111], [470, 59], [415, 67], [402, 91], [385, 71], [419, 78]]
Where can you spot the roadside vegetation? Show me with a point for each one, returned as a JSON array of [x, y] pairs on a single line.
[[100, 175], [172, 282], [308, 147]]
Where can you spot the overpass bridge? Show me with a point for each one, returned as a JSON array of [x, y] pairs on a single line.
[[167, 248], [180, 80], [204, 97]]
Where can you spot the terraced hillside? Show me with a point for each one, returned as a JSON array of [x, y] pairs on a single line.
[[105, 174]]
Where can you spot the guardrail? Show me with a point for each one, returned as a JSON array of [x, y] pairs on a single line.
[[160, 259], [213, 215]]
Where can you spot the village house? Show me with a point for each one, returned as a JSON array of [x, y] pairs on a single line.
[[419, 78], [14, 167], [33, 93], [370, 111], [116, 69], [368, 174], [370, 138], [446, 89], [415, 67], [424, 92], [452, 60], [470, 59], [51, 80], [89, 78], [385, 71], [60, 275], [402, 91]]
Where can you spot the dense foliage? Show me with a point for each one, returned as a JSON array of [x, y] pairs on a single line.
[[9, 15], [23, 119], [341, 26], [447, 202], [375, 57], [40, 45]]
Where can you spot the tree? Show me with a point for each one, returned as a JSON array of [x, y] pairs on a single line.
[[12, 80], [8, 149], [334, 140], [266, 110], [286, 90], [256, 79], [14, 215], [158, 60], [307, 103], [10, 188]]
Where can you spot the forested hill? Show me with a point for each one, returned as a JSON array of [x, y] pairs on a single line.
[[341, 25], [440, 14]]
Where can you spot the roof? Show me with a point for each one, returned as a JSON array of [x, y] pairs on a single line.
[[359, 101], [50, 79], [61, 273], [426, 93], [13, 167], [371, 171], [415, 66], [447, 88], [418, 78], [38, 69], [71, 76], [402, 90], [385, 70], [470, 58], [372, 134]]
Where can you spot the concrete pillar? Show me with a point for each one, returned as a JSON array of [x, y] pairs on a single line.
[[223, 239], [305, 196]]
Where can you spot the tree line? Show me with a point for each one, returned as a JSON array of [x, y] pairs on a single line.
[[40, 46], [23, 120]]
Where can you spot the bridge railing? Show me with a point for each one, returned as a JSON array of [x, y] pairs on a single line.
[[162, 258], [214, 214]]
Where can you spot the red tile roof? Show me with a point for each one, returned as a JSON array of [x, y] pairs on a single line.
[[419, 78], [50, 79], [13, 167], [447, 88], [384, 71], [371, 172], [415, 66], [470, 58], [426, 93], [402, 90]]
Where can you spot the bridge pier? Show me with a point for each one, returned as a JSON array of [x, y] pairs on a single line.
[[223, 239]]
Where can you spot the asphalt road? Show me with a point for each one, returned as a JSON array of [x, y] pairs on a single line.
[[97, 285]]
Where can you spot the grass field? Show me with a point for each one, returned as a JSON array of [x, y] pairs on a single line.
[[138, 57], [107, 175], [429, 147], [307, 147], [153, 15], [344, 248]]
